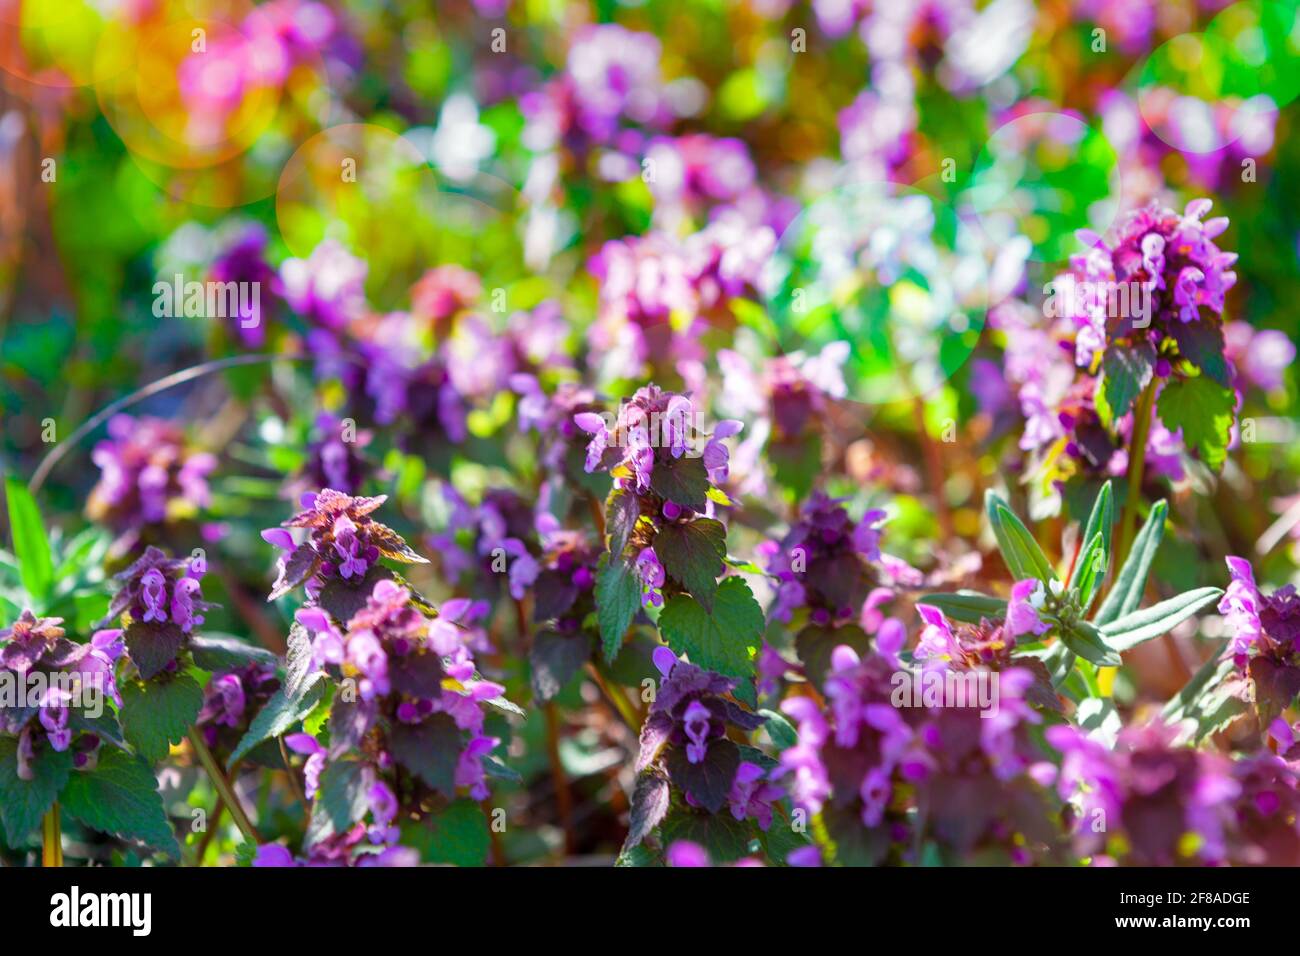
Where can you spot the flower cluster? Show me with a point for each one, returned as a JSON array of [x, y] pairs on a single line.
[[870, 755], [160, 602], [1265, 644], [63, 684], [416, 689], [824, 562], [1151, 802], [684, 743], [231, 700], [148, 477], [343, 543]]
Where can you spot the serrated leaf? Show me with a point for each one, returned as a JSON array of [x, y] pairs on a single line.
[[618, 598], [1083, 639], [216, 652], [343, 598], [280, 714], [622, 509], [722, 639], [969, 607], [1131, 582], [692, 554], [710, 780], [1203, 409], [724, 837], [120, 796], [153, 646], [300, 670], [24, 802], [1201, 343], [1138, 627], [294, 568], [158, 713], [683, 481], [1125, 371], [650, 800], [344, 793], [31, 545], [1023, 556], [430, 750]]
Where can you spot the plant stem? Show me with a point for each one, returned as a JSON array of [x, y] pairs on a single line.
[[621, 704], [52, 838], [1137, 457], [224, 787], [563, 799]]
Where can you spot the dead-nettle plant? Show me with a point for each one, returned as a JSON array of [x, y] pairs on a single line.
[[1076, 639], [386, 689]]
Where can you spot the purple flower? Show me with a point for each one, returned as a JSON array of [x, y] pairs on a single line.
[[652, 576], [343, 540], [328, 287], [147, 477], [1022, 610], [1240, 608]]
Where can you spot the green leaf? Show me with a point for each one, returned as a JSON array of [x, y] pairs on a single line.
[[216, 652], [779, 730], [683, 481], [120, 796], [816, 643], [457, 834], [1203, 409], [24, 802], [650, 800], [280, 714], [153, 645], [1201, 343], [1100, 520], [1090, 570], [300, 671], [32, 547], [430, 750], [1023, 556], [710, 780], [692, 554], [1129, 631], [343, 794], [724, 837], [1124, 373], [1098, 716], [1131, 581], [158, 713], [1209, 702], [1084, 639], [622, 509], [618, 598], [968, 607], [343, 598], [722, 639]]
